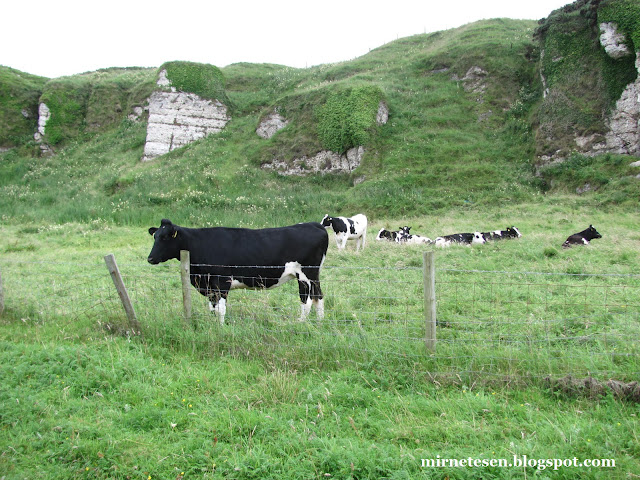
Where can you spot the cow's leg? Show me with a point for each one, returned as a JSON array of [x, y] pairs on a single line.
[[344, 241], [304, 288], [316, 298], [218, 304]]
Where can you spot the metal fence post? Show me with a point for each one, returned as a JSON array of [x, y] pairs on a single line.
[[429, 278], [110, 260], [185, 276]]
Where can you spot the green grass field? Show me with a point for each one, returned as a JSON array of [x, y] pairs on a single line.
[[354, 396]]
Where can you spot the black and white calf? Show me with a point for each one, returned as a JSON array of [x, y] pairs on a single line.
[[582, 238], [405, 237], [460, 238], [223, 259], [510, 232], [388, 235], [354, 228]]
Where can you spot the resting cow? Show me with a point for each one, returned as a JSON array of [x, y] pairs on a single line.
[[388, 235], [510, 232], [582, 238], [405, 237], [460, 238], [223, 259], [354, 228]]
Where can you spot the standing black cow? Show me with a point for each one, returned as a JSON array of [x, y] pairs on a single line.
[[582, 238], [226, 258]]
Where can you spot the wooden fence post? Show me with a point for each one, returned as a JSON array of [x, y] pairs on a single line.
[[429, 278], [185, 276], [110, 260], [1, 295]]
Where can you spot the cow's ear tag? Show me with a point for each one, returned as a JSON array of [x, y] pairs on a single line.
[[175, 233]]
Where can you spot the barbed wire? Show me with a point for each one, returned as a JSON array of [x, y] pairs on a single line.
[[486, 327]]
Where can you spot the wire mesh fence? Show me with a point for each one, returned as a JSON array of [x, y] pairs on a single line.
[[490, 325]]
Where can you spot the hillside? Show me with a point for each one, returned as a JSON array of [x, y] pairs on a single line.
[[470, 121]]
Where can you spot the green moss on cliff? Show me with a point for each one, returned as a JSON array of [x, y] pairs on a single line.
[[206, 81], [19, 94]]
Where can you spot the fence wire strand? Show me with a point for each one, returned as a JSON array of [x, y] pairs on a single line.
[[490, 324]]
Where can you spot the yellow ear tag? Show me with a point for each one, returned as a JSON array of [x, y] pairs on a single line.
[[175, 234]]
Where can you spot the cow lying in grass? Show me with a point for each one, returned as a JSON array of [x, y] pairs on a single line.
[[582, 238], [405, 237], [388, 235], [460, 238], [510, 232]]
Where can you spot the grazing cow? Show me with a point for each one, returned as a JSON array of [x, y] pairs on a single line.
[[388, 235], [354, 228], [582, 238], [223, 259], [460, 238], [510, 232], [406, 237]]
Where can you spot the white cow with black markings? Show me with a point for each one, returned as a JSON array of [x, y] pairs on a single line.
[[353, 228]]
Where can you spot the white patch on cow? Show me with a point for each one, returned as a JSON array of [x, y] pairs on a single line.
[[305, 309], [291, 271], [478, 238], [319, 303], [442, 242], [585, 241], [497, 233], [517, 231], [417, 240], [220, 309]]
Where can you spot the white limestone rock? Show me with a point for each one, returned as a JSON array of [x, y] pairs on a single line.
[[613, 42], [270, 125], [178, 118], [323, 162]]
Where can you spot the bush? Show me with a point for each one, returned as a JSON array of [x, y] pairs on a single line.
[[348, 117]]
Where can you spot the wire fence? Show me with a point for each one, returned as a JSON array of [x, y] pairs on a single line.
[[511, 326]]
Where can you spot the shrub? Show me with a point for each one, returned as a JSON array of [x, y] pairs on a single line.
[[348, 117]]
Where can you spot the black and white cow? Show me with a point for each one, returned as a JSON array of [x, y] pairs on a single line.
[[388, 235], [354, 228], [223, 259], [582, 238], [460, 238], [407, 238], [510, 232]]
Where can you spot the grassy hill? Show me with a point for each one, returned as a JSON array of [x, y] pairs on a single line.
[[445, 146]]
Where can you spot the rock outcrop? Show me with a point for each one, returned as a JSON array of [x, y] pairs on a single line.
[[44, 114], [323, 162], [179, 118], [613, 42], [624, 124], [271, 124]]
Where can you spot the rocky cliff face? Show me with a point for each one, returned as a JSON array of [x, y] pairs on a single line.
[[179, 118], [624, 124]]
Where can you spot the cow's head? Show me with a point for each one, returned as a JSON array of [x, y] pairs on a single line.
[[593, 233], [326, 221], [166, 243], [513, 232]]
